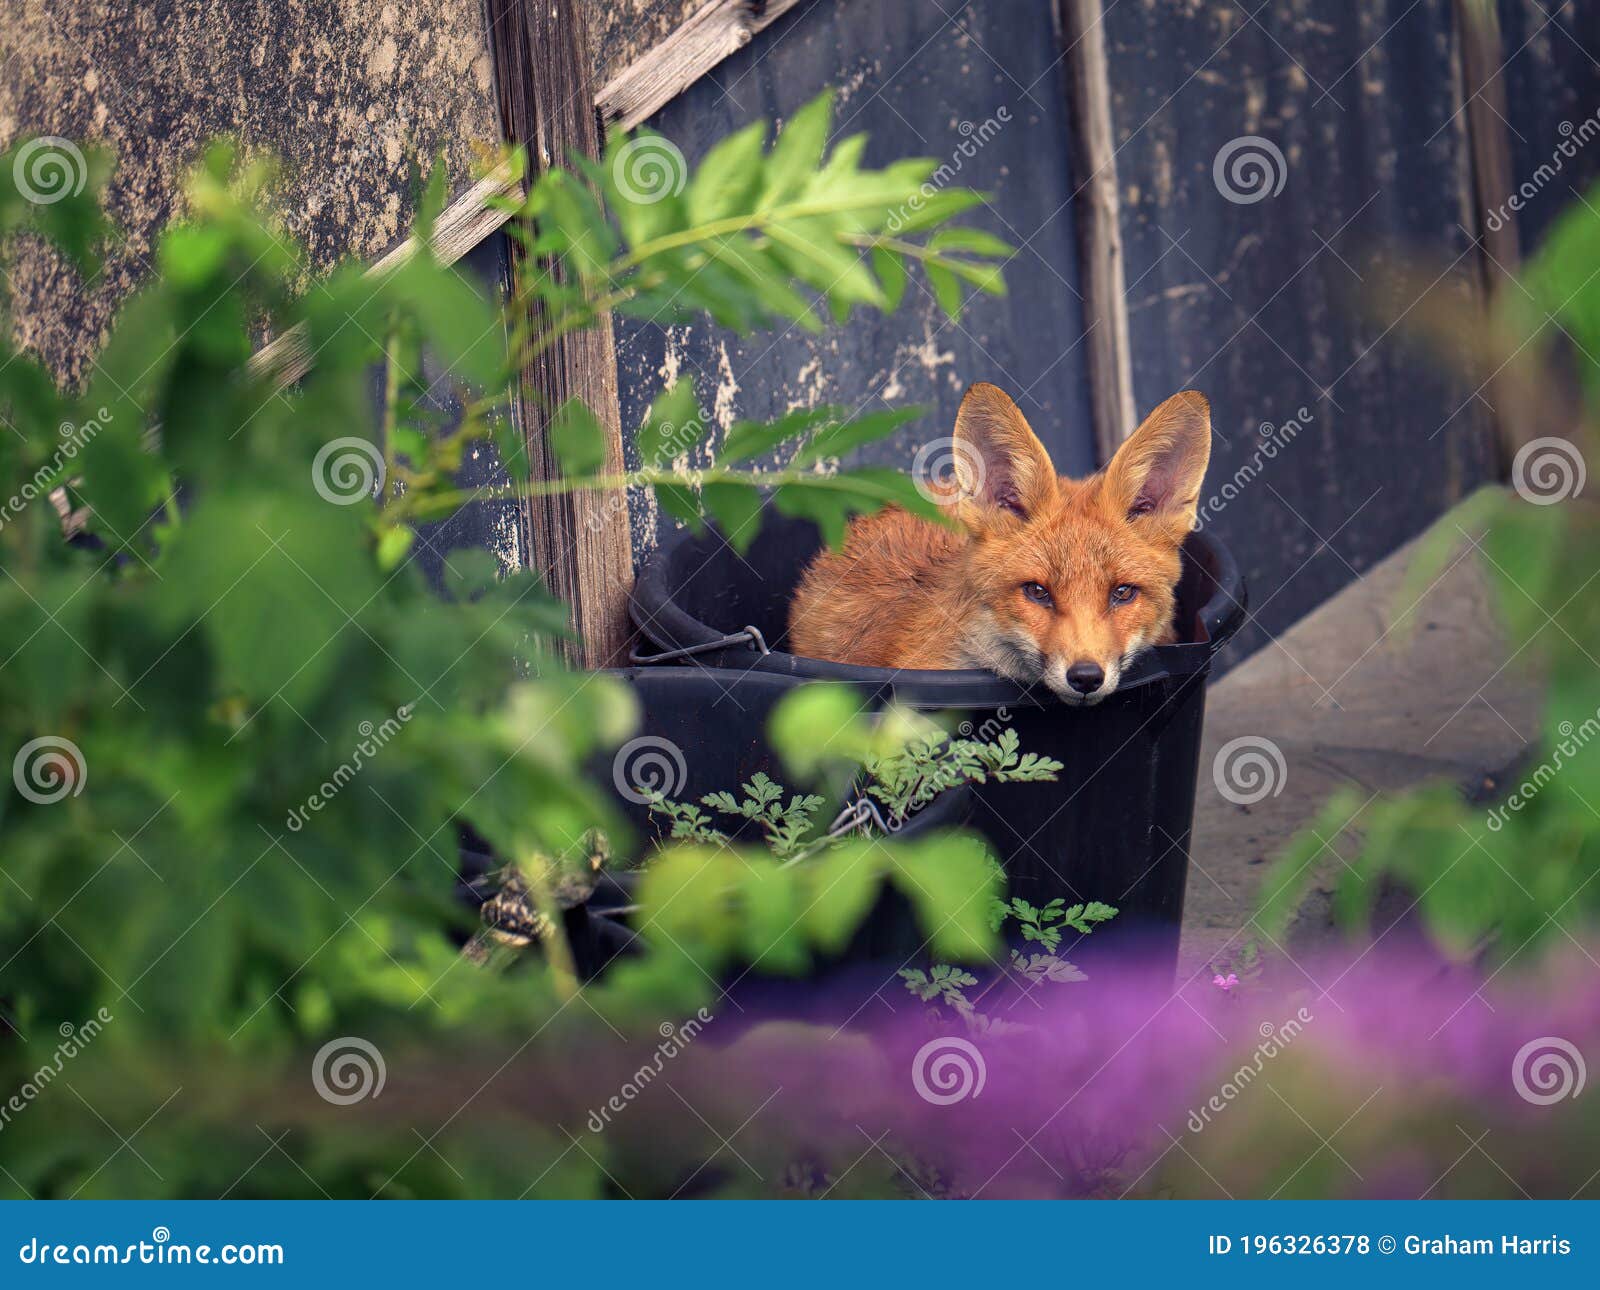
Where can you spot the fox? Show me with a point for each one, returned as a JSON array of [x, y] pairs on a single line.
[[1041, 578]]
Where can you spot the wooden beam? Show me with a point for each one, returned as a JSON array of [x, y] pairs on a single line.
[[1098, 213], [578, 543], [459, 228], [706, 37], [1483, 93]]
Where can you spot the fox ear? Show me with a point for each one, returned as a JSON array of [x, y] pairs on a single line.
[[1158, 471], [999, 461]]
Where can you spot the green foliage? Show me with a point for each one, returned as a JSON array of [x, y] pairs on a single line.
[[1509, 876], [948, 986], [255, 728], [785, 827], [924, 768]]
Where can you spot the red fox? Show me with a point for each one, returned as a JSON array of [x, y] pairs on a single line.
[[1045, 578]]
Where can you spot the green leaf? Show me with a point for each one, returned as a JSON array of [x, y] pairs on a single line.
[[976, 240], [844, 437], [729, 177], [946, 288], [673, 426], [272, 577], [578, 438], [892, 274], [736, 508], [749, 439], [798, 151], [678, 501]]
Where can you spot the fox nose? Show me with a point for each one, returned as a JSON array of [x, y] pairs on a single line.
[[1085, 677]]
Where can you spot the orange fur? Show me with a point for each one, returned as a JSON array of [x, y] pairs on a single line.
[[1025, 585]]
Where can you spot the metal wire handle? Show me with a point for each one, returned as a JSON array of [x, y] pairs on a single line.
[[750, 634]]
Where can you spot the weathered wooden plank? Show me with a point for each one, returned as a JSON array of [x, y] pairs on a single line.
[[1099, 218], [579, 543], [1271, 289], [461, 227], [982, 89], [663, 71], [1484, 104]]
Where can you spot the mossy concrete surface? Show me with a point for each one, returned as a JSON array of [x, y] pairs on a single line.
[[344, 92]]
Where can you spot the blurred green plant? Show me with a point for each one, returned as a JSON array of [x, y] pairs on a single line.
[[233, 640], [1513, 877]]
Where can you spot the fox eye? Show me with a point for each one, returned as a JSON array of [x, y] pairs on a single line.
[[1037, 592], [1124, 594]]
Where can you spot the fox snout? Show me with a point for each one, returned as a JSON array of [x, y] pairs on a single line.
[[1082, 680]]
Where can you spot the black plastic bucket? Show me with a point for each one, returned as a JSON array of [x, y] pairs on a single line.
[[1113, 827], [703, 730]]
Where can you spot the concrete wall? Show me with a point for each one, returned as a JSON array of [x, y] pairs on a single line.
[[344, 89]]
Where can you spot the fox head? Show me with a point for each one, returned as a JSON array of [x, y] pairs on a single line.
[[1069, 580]]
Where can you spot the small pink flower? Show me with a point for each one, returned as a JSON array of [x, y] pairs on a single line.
[[1225, 982]]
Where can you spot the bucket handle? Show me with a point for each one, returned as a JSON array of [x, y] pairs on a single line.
[[751, 635]]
